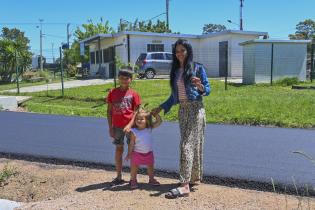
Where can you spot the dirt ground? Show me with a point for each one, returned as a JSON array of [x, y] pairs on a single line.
[[48, 186]]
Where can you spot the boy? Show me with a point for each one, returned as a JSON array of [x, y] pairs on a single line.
[[122, 105]]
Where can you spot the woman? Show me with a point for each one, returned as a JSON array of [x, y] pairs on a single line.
[[188, 83]]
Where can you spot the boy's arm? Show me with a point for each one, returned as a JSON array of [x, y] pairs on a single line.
[[130, 146], [128, 127], [158, 121], [109, 119]]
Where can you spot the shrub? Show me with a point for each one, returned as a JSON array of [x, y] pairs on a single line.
[[27, 75], [6, 173], [287, 81], [72, 70]]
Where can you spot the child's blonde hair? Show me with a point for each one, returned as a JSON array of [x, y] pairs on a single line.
[[147, 115]]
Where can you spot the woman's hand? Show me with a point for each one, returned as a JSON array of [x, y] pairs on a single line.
[[197, 82], [127, 158], [156, 111]]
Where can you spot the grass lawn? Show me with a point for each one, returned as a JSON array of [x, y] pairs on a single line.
[[8, 86], [241, 104]]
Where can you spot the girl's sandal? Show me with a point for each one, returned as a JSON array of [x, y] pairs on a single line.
[[154, 182], [133, 184], [175, 193]]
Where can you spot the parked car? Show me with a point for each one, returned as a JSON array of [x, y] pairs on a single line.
[[154, 63]]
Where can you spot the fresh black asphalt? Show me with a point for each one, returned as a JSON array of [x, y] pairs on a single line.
[[240, 152]]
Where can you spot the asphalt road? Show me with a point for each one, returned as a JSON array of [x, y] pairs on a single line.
[[242, 152]]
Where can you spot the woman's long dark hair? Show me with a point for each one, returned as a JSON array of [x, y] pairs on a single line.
[[187, 63]]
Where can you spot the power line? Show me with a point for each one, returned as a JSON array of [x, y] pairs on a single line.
[[57, 36], [32, 23]]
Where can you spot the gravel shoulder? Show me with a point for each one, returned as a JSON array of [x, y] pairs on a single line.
[[48, 186]]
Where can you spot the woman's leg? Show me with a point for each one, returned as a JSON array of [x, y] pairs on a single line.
[[197, 170], [186, 147]]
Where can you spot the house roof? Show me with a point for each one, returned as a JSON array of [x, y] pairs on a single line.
[[275, 41], [96, 37]]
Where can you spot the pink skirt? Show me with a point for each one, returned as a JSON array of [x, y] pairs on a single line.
[[138, 158]]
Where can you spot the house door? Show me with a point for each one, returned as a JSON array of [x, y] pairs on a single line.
[[223, 58]]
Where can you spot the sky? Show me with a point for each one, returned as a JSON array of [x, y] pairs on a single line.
[[277, 17]]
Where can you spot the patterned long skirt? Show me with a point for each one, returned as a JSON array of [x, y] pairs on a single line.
[[192, 121]]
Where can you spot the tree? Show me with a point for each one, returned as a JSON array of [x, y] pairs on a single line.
[[91, 29], [210, 28], [13, 42], [145, 26], [72, 55], [304, 30]]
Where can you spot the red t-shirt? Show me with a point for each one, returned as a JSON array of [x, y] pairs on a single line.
[[123, 103]]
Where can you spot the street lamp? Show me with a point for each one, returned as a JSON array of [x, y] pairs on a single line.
[[230, 21]]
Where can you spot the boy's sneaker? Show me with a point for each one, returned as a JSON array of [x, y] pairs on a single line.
[[133, 184], [117, 181], [154, 182]]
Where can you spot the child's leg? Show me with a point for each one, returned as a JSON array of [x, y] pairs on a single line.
[[118, 159], [133, 172], [152, 180], [151, 171]]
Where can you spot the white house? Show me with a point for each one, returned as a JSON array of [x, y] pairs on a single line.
[[266, 60], [217, 51]]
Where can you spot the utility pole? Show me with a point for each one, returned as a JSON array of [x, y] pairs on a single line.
[[120, 24], [68, 34], [41, 45], [167, 13], [52, 52], [241, 15], [61, 69]]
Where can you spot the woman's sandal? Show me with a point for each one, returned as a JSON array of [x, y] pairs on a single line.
[[175, 193]]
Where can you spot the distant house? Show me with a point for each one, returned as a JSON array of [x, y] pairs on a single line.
[[219, 52], [264, 60], [36, 61]]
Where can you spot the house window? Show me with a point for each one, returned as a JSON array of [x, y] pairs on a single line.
[[108, 55], [155, 48], [92, 57]]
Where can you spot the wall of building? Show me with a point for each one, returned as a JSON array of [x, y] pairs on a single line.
[[248, 64], [236, 53], [206, 50], [289, 60]]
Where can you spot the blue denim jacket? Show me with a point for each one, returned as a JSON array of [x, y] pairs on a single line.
[[192, 92]]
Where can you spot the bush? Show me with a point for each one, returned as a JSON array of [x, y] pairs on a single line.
[[27, 75], [72, 70], [6, 173], [287, 81], [32, 76]]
